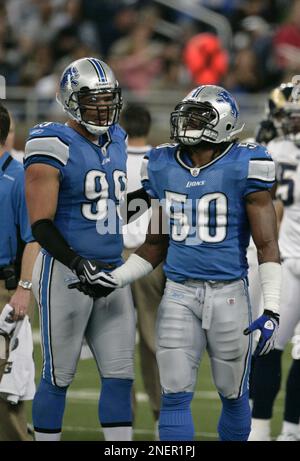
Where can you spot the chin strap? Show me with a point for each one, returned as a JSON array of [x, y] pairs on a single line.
[[97, 131]]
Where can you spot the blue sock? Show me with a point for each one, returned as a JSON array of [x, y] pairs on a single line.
[[115, 402], [48, 407], [235, 420], [175, 419]]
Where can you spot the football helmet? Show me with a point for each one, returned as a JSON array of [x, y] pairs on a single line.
[[89, 93], [283, 109], [207, 113], [276, 102]]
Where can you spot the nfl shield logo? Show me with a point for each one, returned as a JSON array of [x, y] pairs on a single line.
[[195, 171]]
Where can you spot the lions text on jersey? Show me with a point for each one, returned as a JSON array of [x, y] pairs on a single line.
[[209, 229], [92, 177]]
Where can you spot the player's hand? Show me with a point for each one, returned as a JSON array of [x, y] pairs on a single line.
[[108, 280], [89, 271], [20, 302], [268, 324], [95, 292]]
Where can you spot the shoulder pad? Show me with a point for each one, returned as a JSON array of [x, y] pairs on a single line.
[[51, 140]]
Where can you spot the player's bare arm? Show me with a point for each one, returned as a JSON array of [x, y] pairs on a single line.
[[147, 257], [263, 224], [262, 219], [155, 248], [42, 187], [21, 298]]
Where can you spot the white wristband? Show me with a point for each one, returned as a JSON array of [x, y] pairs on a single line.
[[270, 277], [134, 268]]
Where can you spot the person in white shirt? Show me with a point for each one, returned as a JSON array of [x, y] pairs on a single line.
[[285, 151], [147, 291]]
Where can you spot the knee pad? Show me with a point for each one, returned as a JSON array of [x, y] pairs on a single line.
[[230, 377], [235, 421], [115, 402], [175, 420], [175, 371], [48, 406]]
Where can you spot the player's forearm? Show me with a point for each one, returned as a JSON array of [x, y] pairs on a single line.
[[136, 204], [270, 273], [28, 259], [154, 253], [270, 278], [50, 238], [141, 263], [268, 251]]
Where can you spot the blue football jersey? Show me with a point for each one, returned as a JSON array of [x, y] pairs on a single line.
[[13, 211], [209, 229], [92, 183]]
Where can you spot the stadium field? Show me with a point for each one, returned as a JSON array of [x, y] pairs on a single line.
[[81, 420]]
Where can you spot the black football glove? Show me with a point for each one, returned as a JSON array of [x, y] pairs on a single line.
[[88, 271], [94, 291]]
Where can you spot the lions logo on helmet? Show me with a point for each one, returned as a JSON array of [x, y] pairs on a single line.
[[225, 96], [70, 77], [207, 113], [90, 94]]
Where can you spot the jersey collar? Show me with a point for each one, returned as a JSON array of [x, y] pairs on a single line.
[[196, 170]]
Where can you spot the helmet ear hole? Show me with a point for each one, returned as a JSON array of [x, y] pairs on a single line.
[[228, 126]]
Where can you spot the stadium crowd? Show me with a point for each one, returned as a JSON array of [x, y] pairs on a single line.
[[149, 45]]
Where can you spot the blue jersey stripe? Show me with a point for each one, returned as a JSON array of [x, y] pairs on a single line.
[[48, 373], [99, 69], [245, 377], [41, 311]]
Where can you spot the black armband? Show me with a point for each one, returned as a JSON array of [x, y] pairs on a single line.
[[136, 204], [49, 237]]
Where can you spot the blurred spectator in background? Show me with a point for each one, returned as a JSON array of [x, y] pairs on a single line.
[[205, 59], [112, 19], [257, 34], [137, 58], [269, 10], [76, 29], [287, 43], [173, 73], [244, 75]]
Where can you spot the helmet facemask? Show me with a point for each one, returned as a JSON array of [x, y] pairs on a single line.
[[192, 123], [96, 110]]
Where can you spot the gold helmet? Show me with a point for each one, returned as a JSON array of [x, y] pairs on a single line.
[[283, 109], [278, 99]]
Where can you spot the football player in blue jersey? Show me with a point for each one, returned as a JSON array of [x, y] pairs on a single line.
[[75, 178], [214, 192]]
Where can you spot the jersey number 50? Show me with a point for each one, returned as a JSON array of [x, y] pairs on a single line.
[[211, 216]]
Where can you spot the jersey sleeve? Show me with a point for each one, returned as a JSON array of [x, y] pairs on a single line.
[[260, 171], [46, 147], [21, 213], [146, 176]]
